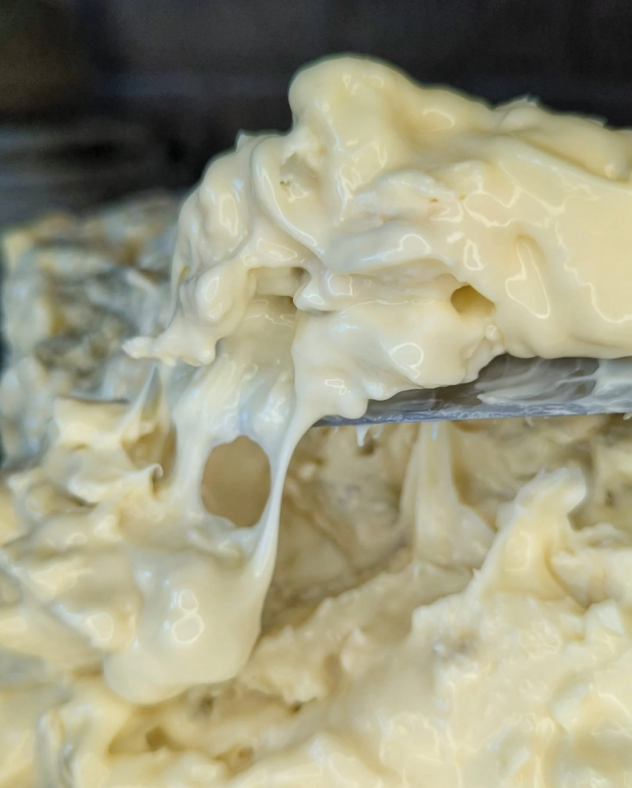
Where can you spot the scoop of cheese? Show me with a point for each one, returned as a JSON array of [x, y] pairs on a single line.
[[418, 232], [197, 594]]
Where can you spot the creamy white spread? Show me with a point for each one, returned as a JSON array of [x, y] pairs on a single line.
[[196, 591]]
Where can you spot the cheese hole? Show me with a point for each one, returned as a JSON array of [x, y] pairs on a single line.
[[468, 301], [236, 482], [156, 739]]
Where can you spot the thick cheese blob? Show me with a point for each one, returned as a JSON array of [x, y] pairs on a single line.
[[198, 592], [418, 232]]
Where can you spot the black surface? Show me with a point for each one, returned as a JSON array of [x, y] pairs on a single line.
[[203, 69]]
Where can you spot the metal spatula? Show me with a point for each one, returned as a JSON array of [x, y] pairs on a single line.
[[511, 386]]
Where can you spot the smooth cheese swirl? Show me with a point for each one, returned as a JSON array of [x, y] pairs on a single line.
[[434, 609]]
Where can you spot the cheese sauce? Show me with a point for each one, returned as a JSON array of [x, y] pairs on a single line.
[[198, 591]]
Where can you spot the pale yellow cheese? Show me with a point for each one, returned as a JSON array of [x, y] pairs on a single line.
[[198, 592]]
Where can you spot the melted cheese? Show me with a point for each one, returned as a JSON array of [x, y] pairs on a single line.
[[446, 607]]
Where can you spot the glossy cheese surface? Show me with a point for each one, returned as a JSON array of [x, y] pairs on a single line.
[[197, 591]]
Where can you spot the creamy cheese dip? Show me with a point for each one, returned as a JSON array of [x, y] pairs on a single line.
[[197, 591]]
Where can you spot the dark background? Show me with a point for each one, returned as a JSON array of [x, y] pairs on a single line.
[[193, 72]]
